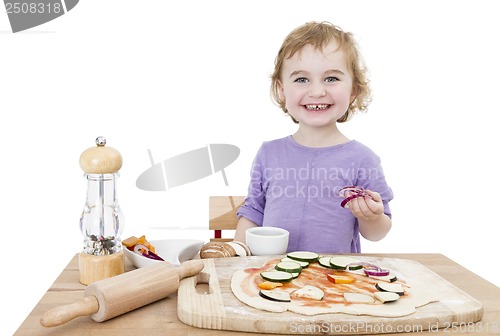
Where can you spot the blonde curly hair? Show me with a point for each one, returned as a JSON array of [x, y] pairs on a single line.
[[319, 35]]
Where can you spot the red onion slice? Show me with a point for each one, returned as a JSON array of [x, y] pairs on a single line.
[[146, 252], [351, 192], [139, 247], [154, 256], [369, 269], [376, 271], [348, 199]]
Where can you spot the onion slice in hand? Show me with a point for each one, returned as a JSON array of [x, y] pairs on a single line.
[[348, 199], [351, 192]]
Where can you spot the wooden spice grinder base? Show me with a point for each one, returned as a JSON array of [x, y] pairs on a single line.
[[94, 268]]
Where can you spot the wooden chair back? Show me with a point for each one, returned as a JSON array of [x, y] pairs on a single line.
[[222, 214]]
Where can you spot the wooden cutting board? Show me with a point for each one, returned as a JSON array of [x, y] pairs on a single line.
[[214, 306]]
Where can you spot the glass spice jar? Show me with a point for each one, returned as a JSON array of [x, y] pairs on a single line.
[[101, 222]]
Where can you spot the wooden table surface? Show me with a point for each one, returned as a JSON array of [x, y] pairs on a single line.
[[160, 318]]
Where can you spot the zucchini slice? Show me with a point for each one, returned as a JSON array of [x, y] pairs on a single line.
[[288, 266], [303, 256], [276, 276], [390, 287], [341, 262], [304, 264], [275, 295], [325, 262]]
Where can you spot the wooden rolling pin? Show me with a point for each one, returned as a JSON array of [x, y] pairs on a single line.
[[108, 298]]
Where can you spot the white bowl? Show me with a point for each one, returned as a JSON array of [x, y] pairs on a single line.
[[266, 240], [174, 251]]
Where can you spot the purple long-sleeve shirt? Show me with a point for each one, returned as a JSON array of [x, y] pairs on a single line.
[[296, 188]]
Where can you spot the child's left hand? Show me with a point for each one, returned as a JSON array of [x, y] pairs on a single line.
[[366, 208]]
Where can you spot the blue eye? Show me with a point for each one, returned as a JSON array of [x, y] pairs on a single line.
[[301, 80], [331, 79]]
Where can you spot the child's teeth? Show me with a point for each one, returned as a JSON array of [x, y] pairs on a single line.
[[317, 107]]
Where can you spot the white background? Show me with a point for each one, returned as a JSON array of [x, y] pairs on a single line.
[[171, 78]]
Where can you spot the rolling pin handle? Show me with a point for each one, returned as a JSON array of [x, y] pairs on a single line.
[[190, 268], [60, 315]]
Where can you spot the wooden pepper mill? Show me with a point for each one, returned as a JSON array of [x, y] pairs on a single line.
[[101, 222]]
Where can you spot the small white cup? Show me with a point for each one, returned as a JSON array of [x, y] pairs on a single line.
[[267, 240]]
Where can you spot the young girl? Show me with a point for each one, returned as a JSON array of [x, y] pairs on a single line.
[[295, 181]]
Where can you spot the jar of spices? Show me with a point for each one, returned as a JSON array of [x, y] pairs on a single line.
[[101, 221]]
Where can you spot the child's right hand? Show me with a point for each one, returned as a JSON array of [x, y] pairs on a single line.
[[366, 208]]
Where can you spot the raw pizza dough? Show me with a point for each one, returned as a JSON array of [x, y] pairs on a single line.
[[244, 286]]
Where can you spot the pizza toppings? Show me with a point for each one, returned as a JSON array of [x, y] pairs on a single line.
[[309, 292], [388, 278], [275, 295], [289, 266], [376, 271], [351, 264], [269, 285], [385, 297], [340, 275], [325, 262], [340, 279], [390, 287], [358, 298], [303, 256], [344, 262], [304, 264], [276, 276]]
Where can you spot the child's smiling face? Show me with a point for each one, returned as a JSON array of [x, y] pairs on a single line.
[[317, 85]]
